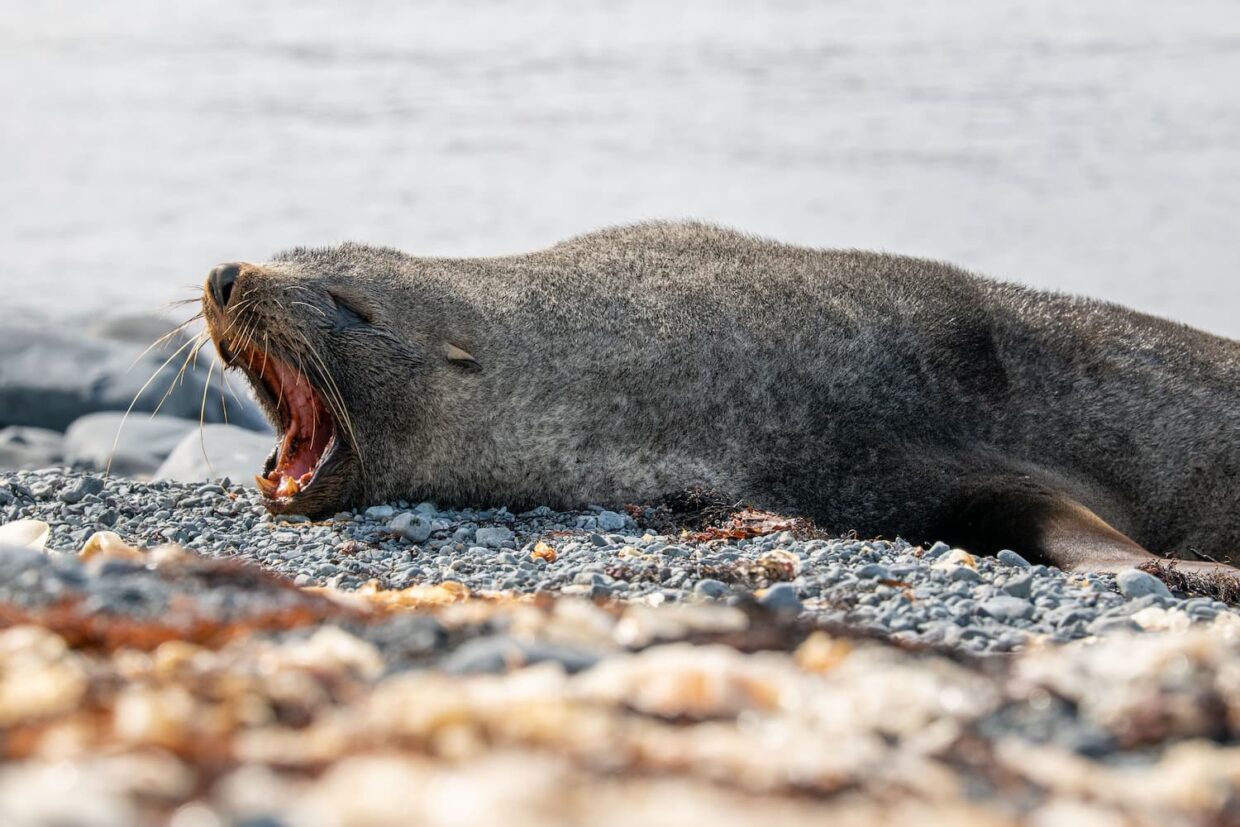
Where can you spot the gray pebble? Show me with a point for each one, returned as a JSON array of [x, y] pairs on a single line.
[[1018, 586], [1006, 607], [1010, 558], [782, 598], [77, 492], [1134, 583], [611, 521], [710, 588], [873, 571], [493, 536], [1110, 625], [964, 574], [415, 528]]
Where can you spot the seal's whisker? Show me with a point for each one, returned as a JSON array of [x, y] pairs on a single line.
[[202, 415], [244, 332], [249, 344], [125, 417], [242, 339], [333, 389], [198, 347], [335, 400], [318, 310], [165, 338], [197, 342], [223, 387], [266, 354], [314, 421], [200, 342], [240, 308], [237, 316]]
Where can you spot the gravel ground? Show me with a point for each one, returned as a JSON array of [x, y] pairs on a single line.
[[935, 596], [443, 668]]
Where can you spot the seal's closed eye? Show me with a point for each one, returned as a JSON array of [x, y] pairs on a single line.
[[348, 314]]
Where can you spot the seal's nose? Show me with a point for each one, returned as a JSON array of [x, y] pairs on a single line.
[[220, 282]]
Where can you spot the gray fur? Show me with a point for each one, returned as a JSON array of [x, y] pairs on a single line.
[[634, 362]]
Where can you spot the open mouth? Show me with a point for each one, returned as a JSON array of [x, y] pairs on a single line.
[[306, 426]]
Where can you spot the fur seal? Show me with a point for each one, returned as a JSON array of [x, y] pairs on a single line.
[[873, 393]]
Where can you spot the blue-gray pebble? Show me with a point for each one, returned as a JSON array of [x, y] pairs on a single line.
[[782, 598], [1010, 558], [1134, 583]]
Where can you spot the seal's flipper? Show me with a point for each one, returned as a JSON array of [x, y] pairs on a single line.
[[1049, 527], [1041, 524]]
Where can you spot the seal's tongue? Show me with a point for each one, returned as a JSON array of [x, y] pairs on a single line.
[[308, 428]]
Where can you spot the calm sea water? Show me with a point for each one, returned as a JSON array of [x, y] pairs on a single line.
[[1089, 146]]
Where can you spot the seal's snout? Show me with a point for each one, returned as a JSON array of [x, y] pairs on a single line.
[[220, 283]]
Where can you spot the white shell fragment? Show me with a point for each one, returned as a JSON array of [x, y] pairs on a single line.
[[25, 534], [109, 544]]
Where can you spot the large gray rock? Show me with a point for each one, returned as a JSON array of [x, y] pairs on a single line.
[[24, 448], [136, 445], [219, 451], [52, 374]]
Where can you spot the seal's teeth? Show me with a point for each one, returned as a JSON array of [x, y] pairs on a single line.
[[288, 487], [266, 486]]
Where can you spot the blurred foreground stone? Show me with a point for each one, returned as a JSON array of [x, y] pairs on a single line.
[[216, 451], [24, 447], [131, 446], [139, 687], [52, 374]]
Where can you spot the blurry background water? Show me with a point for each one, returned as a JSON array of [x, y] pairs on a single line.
[[1089, 146]]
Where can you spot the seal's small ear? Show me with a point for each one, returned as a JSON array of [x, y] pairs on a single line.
[[457, 356]]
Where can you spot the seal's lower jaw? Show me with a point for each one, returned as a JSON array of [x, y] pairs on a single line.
[[308, 457], [286, 489]]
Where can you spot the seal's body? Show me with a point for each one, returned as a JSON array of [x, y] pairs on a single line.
[[872, 393]]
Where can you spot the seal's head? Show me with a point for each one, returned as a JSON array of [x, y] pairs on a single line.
[[335, 376]]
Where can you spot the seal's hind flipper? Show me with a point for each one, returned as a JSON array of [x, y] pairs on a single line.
[[1040, 523], [1049, 527]]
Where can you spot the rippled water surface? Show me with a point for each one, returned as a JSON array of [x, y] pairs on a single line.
[[1090, 146]]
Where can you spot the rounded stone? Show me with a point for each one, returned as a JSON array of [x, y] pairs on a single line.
[[964, 574], [1018, 586], [709, 587], [1134, 583], [415, 528], [493, 536], [782, 598], [1010, 558], [610, 521], [873, 571], [1006, 607]]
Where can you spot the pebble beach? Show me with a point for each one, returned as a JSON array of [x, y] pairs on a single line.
[[172, 655], [183, 655], [934, 596]]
